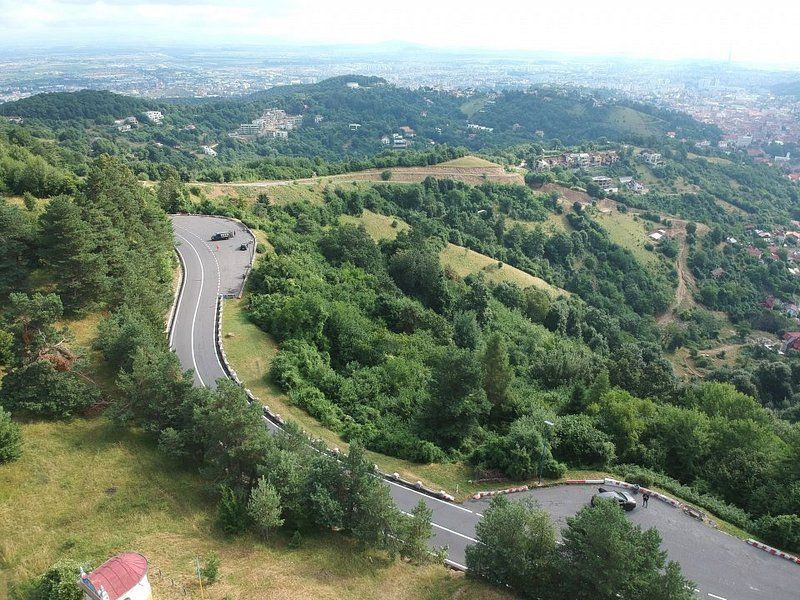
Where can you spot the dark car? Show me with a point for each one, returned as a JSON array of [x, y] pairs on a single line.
[[624, 499], [222, 235], [244, 246]]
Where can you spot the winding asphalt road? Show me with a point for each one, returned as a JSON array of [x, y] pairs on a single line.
[[723, 567]]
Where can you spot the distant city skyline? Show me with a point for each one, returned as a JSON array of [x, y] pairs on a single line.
[[682, 29]]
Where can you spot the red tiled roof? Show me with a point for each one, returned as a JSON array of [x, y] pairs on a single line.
[[119, 574]]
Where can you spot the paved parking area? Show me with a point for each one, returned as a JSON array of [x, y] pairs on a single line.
[[721, 565]]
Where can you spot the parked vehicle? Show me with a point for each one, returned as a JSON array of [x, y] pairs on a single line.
[[222, 235], [624, 499]]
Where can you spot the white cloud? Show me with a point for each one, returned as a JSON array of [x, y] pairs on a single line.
[[677, 29]]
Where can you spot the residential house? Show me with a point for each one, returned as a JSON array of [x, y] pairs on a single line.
[[791, 341], [651, 158], [154, 116]]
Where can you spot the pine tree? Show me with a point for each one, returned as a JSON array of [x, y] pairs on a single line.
[[264, 507], [497, 379], [68, 249]]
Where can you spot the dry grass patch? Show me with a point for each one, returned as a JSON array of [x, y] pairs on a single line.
[[378, 226], [468, 161], [464, 261]]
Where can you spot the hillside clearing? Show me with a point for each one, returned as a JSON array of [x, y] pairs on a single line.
[[379, 227], [464, 261], [468, 161], [283, 193], [473, 105], [633, 121], [629, 232]]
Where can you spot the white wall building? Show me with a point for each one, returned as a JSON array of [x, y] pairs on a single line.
[[155, 116]]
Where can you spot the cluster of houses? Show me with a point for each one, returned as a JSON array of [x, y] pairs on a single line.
[[127, 123], [608, 185], [399, 140], [274, 122], [776, 239], [579, 160], [154, 116], [476, 127]]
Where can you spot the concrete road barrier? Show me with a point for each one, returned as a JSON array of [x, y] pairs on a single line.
[[774, 551]]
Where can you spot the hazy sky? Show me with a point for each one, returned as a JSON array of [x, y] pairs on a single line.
[[753, 31]]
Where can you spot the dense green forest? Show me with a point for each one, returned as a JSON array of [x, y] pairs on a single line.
[[383, 344], [83, 122], [572, 117]]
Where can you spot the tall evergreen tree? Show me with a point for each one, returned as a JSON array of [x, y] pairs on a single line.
[[68, 250], [497, 379]]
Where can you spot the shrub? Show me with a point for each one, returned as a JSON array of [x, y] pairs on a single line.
[[40, 389], [210, 570], [517, 546], [10, 438], [386, 175], [578, 443], [60, 582], [232, 514], [781, 531], [264, 507], [552, 469], [296, 540], [314, 403], [260, 248]]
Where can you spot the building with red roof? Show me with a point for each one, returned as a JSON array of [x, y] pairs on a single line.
[[121, 577], [791, 340]]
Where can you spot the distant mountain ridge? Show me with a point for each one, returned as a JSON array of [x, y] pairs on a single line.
[[375, 109]]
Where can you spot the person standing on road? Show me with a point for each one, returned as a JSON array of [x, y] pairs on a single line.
[[645, 498]]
